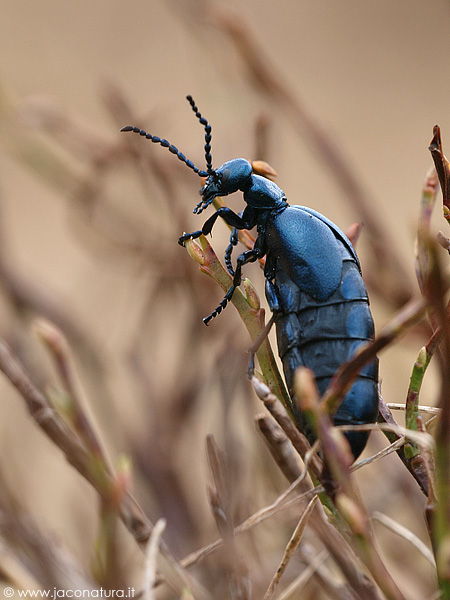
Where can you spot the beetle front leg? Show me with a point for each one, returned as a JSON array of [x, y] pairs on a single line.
[[230, 217]]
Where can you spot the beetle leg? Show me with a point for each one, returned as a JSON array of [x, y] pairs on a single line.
[[242, 259], [230, 217], [189, 236], [272, 296], [229, 249], [221, 306]]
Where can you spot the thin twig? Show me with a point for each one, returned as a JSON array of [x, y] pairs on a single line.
[[381, 454], [280, 503], [151, 555], [290, 548], [299, 582], [432, 410], [406, 534]]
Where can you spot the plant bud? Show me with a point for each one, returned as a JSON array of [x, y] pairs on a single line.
[[195, 251], [260, 167], [422, 357], [51, 336], [351, 513], [251, 295]]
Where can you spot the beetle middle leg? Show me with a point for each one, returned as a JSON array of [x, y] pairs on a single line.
[[234, 239], [245, 220], [242, 259]]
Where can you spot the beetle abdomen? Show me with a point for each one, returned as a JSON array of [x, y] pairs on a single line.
[[322, 335]]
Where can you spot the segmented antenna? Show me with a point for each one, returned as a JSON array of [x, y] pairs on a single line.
[[207, 126], [208, 156], [165, 144]]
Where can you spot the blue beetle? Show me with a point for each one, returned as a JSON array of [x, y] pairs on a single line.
[[313, 277]]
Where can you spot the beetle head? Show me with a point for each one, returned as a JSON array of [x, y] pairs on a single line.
[[232, 176]]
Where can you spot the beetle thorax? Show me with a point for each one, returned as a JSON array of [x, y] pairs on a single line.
[[264, 194]]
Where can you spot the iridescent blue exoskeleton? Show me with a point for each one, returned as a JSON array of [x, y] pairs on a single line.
[[314, 285]]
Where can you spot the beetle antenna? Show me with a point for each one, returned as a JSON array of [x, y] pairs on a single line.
[[207, 126], [165, 144]]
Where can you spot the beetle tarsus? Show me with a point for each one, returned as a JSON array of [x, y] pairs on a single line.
[[189, 236], [221, 306]]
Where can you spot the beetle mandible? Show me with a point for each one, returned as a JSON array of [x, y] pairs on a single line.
[[314, 285]]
